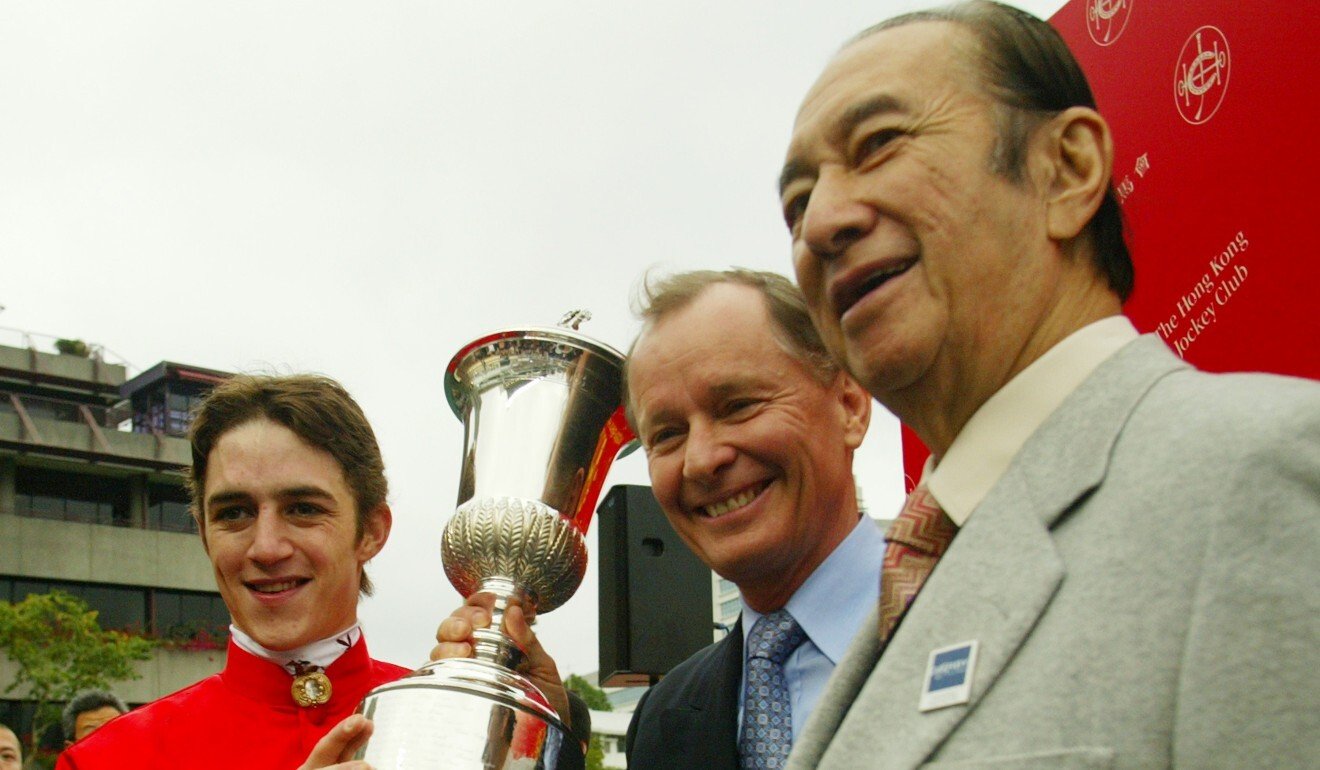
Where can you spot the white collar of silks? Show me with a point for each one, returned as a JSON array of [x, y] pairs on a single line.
[[319, 654]]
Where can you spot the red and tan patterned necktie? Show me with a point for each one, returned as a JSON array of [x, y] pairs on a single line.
[[915, 541]]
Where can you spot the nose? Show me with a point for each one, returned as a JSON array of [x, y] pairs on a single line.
[[270, 538], [835, 217], [706, 454]]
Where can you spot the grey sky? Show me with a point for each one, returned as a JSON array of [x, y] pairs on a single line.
[[361, 188]]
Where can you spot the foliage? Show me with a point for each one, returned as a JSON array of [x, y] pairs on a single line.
[[594, 696], [59, 649], [73, 348], [596, 701], [193, 636]]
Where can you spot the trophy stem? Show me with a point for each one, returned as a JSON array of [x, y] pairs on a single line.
[[492, 644]]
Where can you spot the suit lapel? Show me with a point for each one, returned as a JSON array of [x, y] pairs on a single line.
[[992, 585], [709, 719], [996, 579]]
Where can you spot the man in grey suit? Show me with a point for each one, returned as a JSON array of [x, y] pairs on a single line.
[[1134, 580]]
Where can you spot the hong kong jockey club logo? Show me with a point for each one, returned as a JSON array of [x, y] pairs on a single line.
[[1106, 19], [1200, 79]]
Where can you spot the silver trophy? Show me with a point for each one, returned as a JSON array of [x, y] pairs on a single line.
[[542, 412]]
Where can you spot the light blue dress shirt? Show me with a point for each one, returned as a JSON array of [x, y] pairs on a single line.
[[831, 607]]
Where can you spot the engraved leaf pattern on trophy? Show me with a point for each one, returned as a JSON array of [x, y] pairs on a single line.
[[522, 540]]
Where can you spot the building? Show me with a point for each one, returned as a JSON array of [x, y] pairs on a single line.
[[93, 502], [612, 728]]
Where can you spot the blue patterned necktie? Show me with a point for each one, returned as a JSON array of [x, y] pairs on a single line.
[[767, 728]]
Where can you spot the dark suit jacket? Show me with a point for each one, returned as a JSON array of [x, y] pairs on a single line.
[[690, 719]]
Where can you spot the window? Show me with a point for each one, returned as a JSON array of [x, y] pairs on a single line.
[[167, 509], [50, 494], [179, 616], [120, 608], [50, 409], [186, 615], [167, 406]]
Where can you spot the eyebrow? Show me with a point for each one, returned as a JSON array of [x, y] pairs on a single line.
[[733, 387], [796, 168], [718, 392], [221, 498]]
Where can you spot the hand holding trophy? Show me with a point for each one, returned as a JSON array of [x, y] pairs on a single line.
[[542, 410]]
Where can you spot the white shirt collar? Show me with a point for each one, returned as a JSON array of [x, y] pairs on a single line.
[[320, 653], [982, 451]]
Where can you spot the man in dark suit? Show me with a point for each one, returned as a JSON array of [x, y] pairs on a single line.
[[1133, 578], [749, 429]]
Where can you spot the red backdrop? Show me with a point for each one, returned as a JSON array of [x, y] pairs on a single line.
[[1212, 106]]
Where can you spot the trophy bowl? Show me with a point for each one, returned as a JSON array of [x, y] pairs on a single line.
[[543, 418]]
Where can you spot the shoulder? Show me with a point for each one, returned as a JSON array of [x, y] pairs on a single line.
[[700, 667], [692, 709], [383, 671], [697, 675], [1231, 423], [1176, 391], [1239, 395], [1161, 410]]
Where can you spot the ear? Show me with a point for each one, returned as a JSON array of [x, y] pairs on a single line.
[[1081, 159], [201, 528], [375, 532], [856, 404]]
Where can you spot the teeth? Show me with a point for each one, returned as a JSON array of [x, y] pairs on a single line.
[[723, 507], [274, 588], [885, 275]]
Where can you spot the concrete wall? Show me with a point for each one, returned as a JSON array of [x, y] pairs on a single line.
[[64, 550], [166, 672], [76, 435], [71, 367]]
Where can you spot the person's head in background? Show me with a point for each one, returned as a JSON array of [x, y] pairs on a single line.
[[87, 711], [11, 751]]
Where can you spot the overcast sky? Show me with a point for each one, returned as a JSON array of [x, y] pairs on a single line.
[[359, 189]]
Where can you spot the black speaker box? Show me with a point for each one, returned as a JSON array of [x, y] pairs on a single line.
[[655, 595]]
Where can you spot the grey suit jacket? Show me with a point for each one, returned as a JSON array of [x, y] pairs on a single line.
[[1143, 582]]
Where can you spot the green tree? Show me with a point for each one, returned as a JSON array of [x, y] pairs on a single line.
[[595, 697], [59, 649], [596, 700]]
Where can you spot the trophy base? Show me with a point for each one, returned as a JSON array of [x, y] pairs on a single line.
[[465, 714]]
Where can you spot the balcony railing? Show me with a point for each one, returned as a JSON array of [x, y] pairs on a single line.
[[45, 343]]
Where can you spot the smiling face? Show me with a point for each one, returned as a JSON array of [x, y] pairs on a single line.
[[750, 454], [280, 527], [926, 273]]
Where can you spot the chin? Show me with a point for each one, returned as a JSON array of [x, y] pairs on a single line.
[[881, 368]]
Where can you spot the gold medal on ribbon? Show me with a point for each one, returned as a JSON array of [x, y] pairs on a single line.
[[311, 688]]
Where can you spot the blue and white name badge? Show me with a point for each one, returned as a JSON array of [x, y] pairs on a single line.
[[948, 680]]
